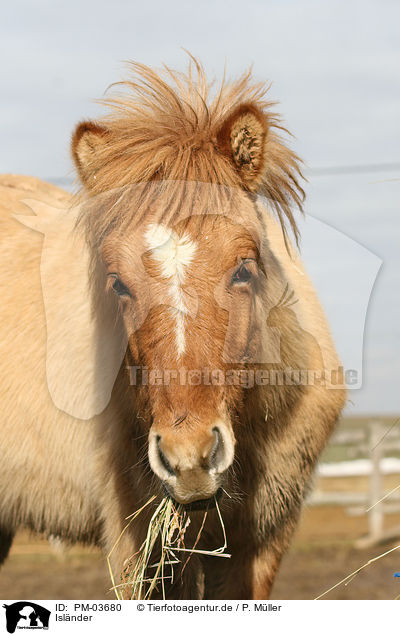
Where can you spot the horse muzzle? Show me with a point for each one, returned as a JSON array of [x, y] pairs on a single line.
[[192, 468], [199, 504]]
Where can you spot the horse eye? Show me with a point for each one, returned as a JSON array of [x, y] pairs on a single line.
[[242, 275], [119, 287]]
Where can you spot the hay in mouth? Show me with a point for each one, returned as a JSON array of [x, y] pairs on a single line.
[[152, 566]]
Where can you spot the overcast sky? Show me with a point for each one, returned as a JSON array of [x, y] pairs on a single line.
[[334, 67]]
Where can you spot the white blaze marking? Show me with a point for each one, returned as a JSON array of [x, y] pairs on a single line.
[[174, 253]]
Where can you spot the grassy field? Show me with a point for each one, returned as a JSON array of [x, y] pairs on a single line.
[[360, 425]]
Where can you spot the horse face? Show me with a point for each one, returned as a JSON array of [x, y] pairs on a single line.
[[190, 297], [190, 292]]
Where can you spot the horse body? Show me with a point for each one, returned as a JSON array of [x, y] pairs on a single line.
[[40, 456], [195, 290]]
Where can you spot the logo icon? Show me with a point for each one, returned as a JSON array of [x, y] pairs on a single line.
[[26, 615]]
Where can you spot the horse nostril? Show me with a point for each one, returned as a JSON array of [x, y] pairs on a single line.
[[217, 450], [164, 461]]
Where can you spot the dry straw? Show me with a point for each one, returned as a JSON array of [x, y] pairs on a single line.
[[146, 571], [352, 575]]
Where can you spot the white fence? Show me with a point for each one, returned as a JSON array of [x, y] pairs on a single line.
[[375, 442]]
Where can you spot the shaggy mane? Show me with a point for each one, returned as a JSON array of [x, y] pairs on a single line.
[[163, 127]]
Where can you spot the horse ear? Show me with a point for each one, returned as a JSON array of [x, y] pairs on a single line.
[[242, 139], [88, 141]]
